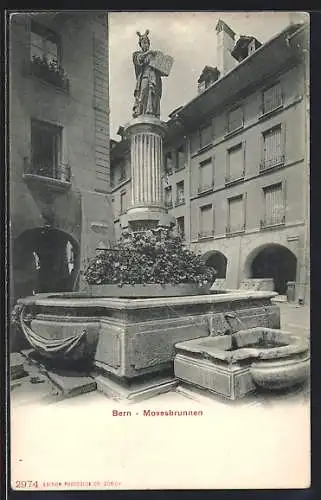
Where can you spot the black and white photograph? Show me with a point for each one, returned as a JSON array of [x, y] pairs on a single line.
[[159, 275]]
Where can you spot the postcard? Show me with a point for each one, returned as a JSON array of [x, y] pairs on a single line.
[[158, 171]]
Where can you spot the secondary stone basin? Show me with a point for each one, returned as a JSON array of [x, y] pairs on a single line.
[[273, 358]]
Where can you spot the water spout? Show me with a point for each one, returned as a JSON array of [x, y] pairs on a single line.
[[228, 316]]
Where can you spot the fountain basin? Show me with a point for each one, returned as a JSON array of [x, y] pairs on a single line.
[[132, 338], [235, 365]]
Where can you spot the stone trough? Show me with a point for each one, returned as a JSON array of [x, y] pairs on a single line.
[[235, 365], [130, 343]]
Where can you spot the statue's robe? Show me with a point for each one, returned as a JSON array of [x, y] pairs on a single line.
[[148, 90]]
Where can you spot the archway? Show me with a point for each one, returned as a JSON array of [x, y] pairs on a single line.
[[44, 260], [218, 261], [277, 262]]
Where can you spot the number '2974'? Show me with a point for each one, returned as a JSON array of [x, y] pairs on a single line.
[[26, 484]]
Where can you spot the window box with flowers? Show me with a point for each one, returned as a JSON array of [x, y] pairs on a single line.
[[49, 71]]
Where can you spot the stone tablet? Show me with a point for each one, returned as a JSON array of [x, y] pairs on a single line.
[[162, 62]]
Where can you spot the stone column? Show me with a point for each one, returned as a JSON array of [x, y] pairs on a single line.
[[146, 208]]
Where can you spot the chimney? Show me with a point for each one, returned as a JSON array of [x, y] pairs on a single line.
[[225, 44]]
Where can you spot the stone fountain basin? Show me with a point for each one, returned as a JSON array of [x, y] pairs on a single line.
[[274, 359]]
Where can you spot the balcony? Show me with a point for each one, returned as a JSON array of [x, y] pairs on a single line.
[[272, 222], [274, 162], [168, 204], [49, 71], [57, 177], [179, 201], [205, 188], [206, 233]]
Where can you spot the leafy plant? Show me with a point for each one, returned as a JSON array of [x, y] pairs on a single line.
[[51, 71], [154, 256]]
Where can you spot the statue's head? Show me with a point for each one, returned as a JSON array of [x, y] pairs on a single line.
[[143, 41]]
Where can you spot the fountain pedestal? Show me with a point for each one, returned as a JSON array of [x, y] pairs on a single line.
[[147, 207]]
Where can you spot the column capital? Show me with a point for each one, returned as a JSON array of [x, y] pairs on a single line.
[[145, 124]]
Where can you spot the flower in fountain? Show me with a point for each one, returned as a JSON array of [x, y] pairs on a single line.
[[144, 257]]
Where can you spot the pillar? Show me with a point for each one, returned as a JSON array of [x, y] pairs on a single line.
[[146, 208]]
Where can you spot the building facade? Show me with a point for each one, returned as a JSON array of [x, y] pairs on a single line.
[[59, 147], [236, 163]]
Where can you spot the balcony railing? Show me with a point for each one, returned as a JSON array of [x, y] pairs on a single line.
[[50, 71], [205, 233], [272, 222], [169, 204], [204, 188], [60, 172], [179, 201], [274, 161]]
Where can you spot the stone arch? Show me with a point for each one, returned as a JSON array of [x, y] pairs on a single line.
[[272, 260], [218, 260], [44, 260]]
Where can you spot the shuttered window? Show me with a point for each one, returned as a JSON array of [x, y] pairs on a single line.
[[274, 206], [206, 221], [235, 167], [206, 135], [206, 175], [272, 147], [236, 214], [235, 119], [180, 198], [180, 226], [168, 163], [180, 158], [195, 142], [168, 197], [272, 98], [123, 202]]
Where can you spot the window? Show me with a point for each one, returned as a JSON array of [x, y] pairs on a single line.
[[206, 181], [251, 47], [201, 86], [206, 221], [44, 44], [45, 56], [112, 178], [180, 158], [272, 147], [274, 205], [46, 151], [272, 98], [235, 119], [205, 135], [168, 163], [123, 202], [168, 197], [180, 198], [122, 171], [195, 142], [235, 163], [236, 215], [180, 226]]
